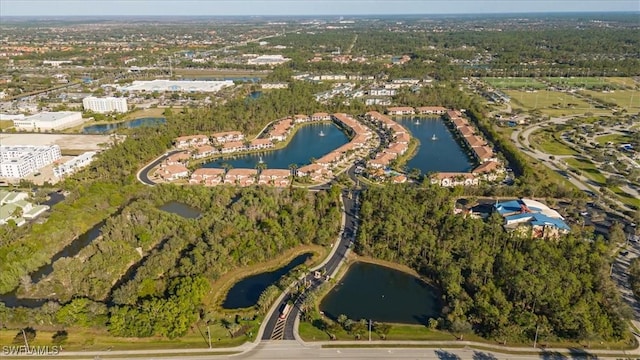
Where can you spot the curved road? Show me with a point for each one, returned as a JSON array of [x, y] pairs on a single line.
[[283, 329], [143, 174]]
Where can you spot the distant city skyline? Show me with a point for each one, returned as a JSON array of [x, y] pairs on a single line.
[[45, 8]]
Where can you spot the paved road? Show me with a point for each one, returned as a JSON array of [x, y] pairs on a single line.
[[283, 329], [143, 174]]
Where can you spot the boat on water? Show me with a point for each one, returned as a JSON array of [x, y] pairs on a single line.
[[321, 133], [417, 122], [434, 137]]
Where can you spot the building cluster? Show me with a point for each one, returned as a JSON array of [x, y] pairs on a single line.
[[489, 167], [528, 215], [105, 105], [398, 144], [14, 206], [19, 161], [74, 164], [176, 86], [49, 121], [270, 60], [200, 146]]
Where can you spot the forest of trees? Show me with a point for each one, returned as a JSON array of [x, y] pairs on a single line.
[[495, 283]]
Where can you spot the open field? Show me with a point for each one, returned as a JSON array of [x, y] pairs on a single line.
[[614, 138], [552, 103], [626, 99], [588, 169], [626, 198], [548, 143], [514, 83], [625, 81], [142, 113], [220, 73], [5, 124], [66, 142], [582, 81]]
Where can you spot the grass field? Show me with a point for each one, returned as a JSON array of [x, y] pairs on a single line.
[[626, 198], [614, 138], [626, 99], [141, 113], [5, 124], [588, 169], [549, 102], [546, 142], [624, 81], [514, 83], [583, 81]]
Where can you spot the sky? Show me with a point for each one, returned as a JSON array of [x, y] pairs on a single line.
[[303, 7]]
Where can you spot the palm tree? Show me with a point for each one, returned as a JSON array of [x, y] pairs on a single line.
[[17, 212], [293, 168], [382, 329]]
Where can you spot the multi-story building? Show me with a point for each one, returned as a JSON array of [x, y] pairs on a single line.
[[105, 105], [74, 164], [20, 161]]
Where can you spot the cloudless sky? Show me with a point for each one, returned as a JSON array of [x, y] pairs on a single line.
[[303, 7]]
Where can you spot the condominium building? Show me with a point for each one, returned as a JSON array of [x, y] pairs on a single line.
[[74, 164], [105, 105], [20, 161], [49, 121]]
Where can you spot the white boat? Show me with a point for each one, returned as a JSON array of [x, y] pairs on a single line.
[[417, 122], [260, 161], [321, 133], [434, 137]]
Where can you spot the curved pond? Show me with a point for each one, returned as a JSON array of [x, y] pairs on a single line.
[[379, 293], [307, 143], [140, 122], [443, 154], [182, 209], [247, 291]]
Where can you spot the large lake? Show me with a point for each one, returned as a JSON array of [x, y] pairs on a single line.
[[307, 143], [247, 291], [370, 291], [443, 154]]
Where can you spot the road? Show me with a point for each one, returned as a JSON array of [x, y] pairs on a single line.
[[143, 174], [579, 181], [283, 329]]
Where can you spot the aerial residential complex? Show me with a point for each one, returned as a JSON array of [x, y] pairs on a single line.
[[105, 105], [14, 206], [49, 121], [74, 164], [20, 161]]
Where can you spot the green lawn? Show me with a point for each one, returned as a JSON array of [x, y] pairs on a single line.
[[626, 198], [626, 99], [614, 138], [5, 124], [549, 102], [547, 142], [398, 332], [514, 83], [579, 81], [624, 81], [588, 169]]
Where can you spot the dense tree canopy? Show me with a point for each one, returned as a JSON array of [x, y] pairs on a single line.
[[499, 284]]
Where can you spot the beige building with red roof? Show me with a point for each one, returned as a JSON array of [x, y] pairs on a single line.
[[241, 177], [204, 151], [448, 179], [207, 176], [177, 158], [226, 136], [232, 146], [275, 177], [400, 110], [172, 172], [258, 144], [316, 172], [184, 142], [431, 110], [320, 116]]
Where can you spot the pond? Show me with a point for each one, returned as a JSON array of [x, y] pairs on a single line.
[[439, 151], [140, 122], [379, 293], [310, 141], [182, 209], [247, 291]]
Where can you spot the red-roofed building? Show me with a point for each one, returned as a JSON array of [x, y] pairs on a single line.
[[401, 110], [431, 110], [172, 172], [275, 177], [483, 153], [242, 177], [227, 136], [184, 142], [232, 146], [259, 144], [321, 116], [207, 176], [204, 151], [448, 179]]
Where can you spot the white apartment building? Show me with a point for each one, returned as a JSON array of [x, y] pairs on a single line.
[[20, 161], [74, 164], [49, 121], [105, 105]]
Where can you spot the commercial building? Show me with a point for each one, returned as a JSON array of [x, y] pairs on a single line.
[[525, 214], [105, 105], [74, 164], [20, 161], [268, 60], [49, 121], [176, 86]]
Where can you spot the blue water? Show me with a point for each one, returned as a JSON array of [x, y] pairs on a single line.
[[255, 94], [305, 144], [105, 128], [247, 291], [441, 155]]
